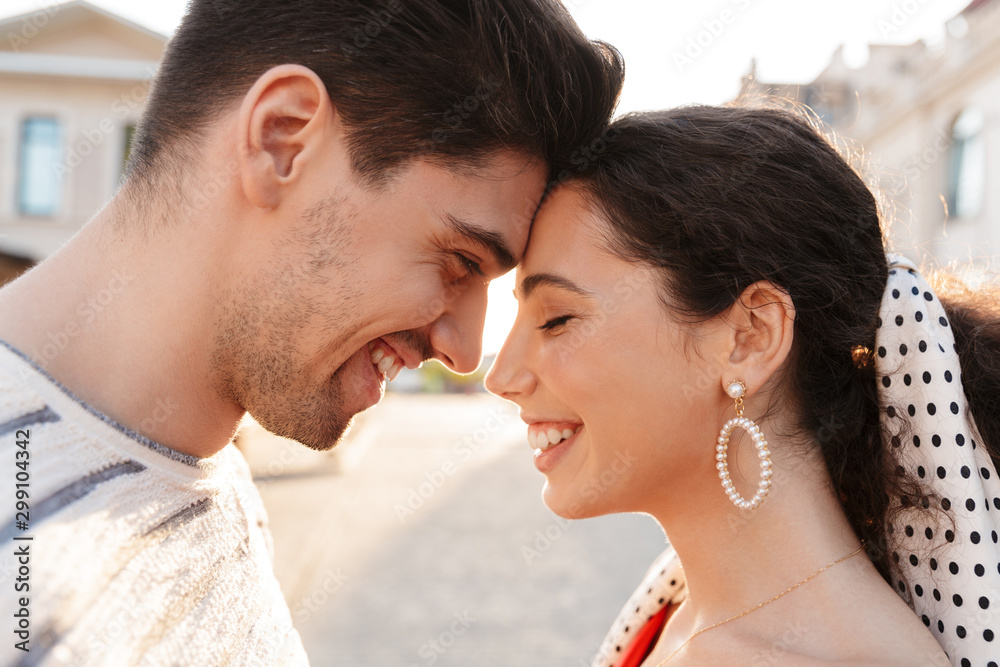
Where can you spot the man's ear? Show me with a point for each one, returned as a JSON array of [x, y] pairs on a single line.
[[280, 126], [762, 323]]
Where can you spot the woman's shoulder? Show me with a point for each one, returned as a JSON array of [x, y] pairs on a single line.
[[807, 644], [854, 619], [880, 627], [848, 620]]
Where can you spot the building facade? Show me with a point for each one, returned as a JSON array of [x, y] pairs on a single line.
[[74, 78], [926, 121], [73, 81]]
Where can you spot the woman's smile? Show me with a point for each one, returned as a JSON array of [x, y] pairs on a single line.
[[550, 443]]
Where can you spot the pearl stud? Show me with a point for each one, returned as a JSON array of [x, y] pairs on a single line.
[[736, 389]]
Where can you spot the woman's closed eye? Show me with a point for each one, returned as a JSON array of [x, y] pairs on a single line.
[[555, 322]]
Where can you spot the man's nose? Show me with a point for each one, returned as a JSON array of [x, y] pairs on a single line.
[[457, 335]]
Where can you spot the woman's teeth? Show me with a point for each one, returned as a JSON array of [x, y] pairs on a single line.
[[386, 363], [544, 440]]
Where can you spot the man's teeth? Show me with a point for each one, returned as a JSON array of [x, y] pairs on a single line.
[[546, 439], [386, 363]]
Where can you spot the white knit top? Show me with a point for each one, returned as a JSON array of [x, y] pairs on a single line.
[[138, 554]]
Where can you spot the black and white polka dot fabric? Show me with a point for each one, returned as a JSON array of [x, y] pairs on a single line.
[[952, 566], [663, 585]]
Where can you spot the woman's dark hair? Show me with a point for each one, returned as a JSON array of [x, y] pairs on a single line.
[[720, 198], [450, 80]]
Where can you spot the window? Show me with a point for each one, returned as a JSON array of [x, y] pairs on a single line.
[[40, 181], [967, 171]]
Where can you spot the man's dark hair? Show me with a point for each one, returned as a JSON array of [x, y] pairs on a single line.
[[449, 80]]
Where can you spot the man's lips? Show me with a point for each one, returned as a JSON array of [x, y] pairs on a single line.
[[377, 362], [371, 380], [388, 360]]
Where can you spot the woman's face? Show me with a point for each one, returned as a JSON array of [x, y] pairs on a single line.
[[594, 356]]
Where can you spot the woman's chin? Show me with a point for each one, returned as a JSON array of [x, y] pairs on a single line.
[[568, 504]]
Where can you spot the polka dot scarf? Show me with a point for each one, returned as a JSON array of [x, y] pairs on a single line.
[[952, 561], [953, 566], [662, 585]]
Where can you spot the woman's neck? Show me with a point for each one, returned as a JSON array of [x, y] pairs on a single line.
[[734, 559]]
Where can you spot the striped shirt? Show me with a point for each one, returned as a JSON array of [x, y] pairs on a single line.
[[127, 552]]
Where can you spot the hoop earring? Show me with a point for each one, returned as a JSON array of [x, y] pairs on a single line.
[[736, 390]]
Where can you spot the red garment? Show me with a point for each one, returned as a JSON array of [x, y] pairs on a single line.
[[644, 640]]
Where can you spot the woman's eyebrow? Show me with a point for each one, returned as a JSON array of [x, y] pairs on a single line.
[[530, 283]]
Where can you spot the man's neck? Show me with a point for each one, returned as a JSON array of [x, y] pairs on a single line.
[[124, 321]]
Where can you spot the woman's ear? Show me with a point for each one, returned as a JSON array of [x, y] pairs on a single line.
[[281, 124], [762, 326]]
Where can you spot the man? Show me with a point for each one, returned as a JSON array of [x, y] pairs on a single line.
[[318, 193]]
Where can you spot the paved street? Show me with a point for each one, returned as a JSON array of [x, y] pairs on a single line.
[[424, 541]]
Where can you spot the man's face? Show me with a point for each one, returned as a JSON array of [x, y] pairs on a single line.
[[397, 275]]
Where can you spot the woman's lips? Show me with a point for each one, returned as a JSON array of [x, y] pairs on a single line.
[[546, 459], [545, 435]]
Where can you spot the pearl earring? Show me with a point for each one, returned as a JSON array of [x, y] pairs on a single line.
[[737, 390]]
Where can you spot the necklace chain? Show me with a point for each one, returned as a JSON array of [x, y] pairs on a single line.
[[765, 602]]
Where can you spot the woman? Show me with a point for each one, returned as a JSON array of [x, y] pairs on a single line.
[[718, 262]]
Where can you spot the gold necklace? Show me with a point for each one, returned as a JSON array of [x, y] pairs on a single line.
[[766, 602]]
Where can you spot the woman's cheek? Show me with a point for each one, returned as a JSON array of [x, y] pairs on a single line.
[[563, 352]]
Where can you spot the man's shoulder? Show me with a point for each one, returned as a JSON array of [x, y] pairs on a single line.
[[134, 561], [17, 398], [133, 551]]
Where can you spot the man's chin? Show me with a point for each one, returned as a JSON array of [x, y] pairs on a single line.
[[317, 415], [329, 442], [319, 419], [321, 435]]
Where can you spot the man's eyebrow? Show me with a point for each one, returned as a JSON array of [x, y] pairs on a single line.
[[529, 284], [490, 241]]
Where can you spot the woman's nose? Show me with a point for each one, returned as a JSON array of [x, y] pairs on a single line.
[[510, 377]]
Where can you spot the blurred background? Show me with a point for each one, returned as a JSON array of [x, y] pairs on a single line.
[[422, 539]]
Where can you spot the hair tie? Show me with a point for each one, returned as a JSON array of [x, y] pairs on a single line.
[[862, 356]]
